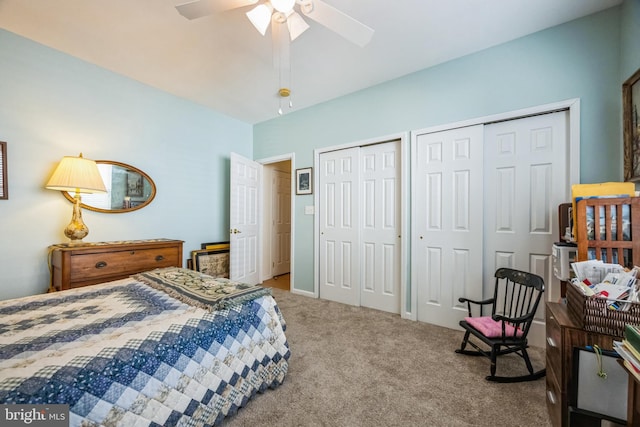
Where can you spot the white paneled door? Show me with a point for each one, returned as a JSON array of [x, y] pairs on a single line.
[[380, 225], [244, 230], [359, 217], [485, 197], [281, 223], [339, 178], [447, 222], [526, 178], [525, 183]]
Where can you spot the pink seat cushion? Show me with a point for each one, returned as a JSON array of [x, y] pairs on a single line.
[[491, 328]]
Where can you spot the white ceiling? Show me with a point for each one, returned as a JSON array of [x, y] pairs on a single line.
[[222, 62]]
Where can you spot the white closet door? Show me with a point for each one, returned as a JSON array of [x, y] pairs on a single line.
[[447, 222], [380, 213], [244, 225], [339, 226], [526, 178]]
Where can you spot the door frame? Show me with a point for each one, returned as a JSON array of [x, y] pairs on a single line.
[[266, 161], [404, 212], [573, 155]]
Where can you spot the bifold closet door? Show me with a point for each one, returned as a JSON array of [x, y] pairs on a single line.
[[359, 216], [339, 185], [380, 225], [526, 178], [447, 222], [485, 197]]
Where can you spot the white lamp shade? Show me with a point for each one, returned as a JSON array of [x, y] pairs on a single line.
[[283, 6], [296, 25], [260, 17], [77, 174]]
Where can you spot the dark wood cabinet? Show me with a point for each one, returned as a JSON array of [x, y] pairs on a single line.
[[633, 399], [563, 334], [83, 265]]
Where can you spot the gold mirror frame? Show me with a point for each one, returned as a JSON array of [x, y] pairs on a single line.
[[136, 200]]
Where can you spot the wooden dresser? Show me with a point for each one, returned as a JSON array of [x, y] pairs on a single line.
[[563, 333], [87, 264]]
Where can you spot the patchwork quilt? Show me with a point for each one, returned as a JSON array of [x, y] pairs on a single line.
[[126, 353]]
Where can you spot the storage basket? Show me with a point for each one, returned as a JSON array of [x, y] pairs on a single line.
[[593, 314]]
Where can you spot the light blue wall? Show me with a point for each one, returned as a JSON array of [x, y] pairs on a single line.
[[580, 59], [630, 38], [52, 105]]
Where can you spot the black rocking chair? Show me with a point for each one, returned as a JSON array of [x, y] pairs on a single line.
[[513, 306]]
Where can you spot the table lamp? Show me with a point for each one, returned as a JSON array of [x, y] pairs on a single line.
[[77, 175]]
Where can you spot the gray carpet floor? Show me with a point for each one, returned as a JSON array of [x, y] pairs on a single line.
[[352, 366]]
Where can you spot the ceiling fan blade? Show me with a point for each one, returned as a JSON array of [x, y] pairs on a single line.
[[338, 21], [296, 25], [199, 8]]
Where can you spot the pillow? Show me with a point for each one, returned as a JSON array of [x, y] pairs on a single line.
[[491, 328]]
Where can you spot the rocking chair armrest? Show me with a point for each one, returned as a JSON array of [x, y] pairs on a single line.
[[483, 302], [480, 303], [513, 320]]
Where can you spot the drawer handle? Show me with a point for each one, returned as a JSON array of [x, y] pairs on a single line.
[[551, 397], [159, 258], [101, 264], [551, 342]]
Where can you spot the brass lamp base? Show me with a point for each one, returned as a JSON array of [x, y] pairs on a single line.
[[76, 230]]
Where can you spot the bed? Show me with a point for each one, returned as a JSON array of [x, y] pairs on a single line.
[[162, 348]]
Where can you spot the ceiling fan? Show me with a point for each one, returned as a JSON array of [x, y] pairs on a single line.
[[284, 11]]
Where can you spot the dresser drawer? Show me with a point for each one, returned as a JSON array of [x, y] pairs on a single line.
[[554, 345], [90, 266], [554, 398]]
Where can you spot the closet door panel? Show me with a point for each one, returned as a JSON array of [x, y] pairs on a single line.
[[447, 218], [380, 239], [339, 226], [526, 179]]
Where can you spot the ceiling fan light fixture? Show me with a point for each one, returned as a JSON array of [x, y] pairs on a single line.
[[283, 6], [306, 6], [296, 25], [260, 17]]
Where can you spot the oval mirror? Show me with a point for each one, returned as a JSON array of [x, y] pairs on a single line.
[[128, 189]]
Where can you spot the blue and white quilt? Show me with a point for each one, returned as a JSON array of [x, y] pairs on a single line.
[[125, 353]]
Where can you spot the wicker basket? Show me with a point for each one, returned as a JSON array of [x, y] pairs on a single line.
[[593, 314]]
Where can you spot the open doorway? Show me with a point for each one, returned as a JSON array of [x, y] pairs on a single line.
[[276, 224]]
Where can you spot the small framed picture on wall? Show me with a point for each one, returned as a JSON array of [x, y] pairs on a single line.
[[304, 184]]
